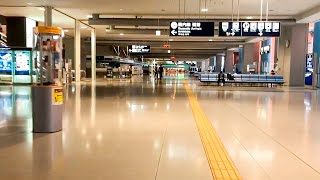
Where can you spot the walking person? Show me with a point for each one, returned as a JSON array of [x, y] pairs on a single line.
[[161, 72], [156, 70]]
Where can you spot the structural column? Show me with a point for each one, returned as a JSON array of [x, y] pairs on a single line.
[[292, 54], [48, 16], [77, 51], [229, 62], [248, 56], [93, 54], [219, 60], [299, 46]]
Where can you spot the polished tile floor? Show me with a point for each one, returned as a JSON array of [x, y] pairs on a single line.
[[143, 130]]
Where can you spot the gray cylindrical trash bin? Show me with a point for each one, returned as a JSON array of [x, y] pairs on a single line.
[[47, 107]]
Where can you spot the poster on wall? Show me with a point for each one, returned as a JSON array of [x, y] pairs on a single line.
[[6, 62], [22, 65], [309, 70]]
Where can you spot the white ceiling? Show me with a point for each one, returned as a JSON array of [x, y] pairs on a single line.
[[80, 8]]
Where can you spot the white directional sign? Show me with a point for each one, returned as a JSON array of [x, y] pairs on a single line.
[[139, 49]]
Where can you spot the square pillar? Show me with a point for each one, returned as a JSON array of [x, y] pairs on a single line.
[[77, 51], [229, 62], [48, 16], [93, 54]]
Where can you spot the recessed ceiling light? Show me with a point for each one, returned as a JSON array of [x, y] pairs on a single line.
[[204, 10], [30, 4], [89, 16], [121, 9], [170, 39], [158, 33], [121, 34], [249, 17], [210, 40], [42, 8]]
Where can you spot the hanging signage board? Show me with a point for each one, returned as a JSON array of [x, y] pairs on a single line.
[[262, 29], [253, 29], [230, 29], [188, 28], [265, 50], [139, 49]]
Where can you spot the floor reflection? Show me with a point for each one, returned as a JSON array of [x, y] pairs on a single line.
[[15, 107]]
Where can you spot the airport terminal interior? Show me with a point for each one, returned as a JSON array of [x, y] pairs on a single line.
[[160, 90]]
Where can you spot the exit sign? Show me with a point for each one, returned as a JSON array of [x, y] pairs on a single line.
[[166, 45]]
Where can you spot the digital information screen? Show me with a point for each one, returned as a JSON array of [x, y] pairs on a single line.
[[22, 65], [139, 49], [191, 28], [6, 62], [254, 29]]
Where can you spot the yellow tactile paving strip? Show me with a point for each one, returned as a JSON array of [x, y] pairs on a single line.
[[221, 165]]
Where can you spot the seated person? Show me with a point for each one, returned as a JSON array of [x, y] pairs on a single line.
[[221, 78]]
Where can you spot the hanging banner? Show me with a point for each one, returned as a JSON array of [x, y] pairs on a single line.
[[253, 29], [309, 70], [187, 28]]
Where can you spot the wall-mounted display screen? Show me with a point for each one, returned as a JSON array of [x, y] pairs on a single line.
[[22, 63], [6, 62]]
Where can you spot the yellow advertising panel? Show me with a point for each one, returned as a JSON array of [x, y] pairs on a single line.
[[48, 30], [57, 96]]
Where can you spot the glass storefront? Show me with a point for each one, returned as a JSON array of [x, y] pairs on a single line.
[[15, 65]]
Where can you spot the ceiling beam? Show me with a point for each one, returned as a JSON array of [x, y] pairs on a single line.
[[310, 15], [160, 22]]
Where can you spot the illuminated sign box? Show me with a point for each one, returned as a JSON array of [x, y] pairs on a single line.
[[253, 29], [190, 28], [139, 49]]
